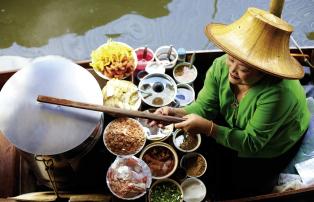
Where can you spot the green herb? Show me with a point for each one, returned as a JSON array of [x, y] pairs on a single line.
[[166, 192]]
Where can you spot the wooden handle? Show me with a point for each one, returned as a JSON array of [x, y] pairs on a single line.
[[112, 110], [276, 6]]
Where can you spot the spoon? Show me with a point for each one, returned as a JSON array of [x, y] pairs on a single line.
[[192, 60], [169, 53], [145, 52], [147, 93]]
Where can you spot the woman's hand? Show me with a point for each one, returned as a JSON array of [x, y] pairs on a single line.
[[167, 111], [195, 124]]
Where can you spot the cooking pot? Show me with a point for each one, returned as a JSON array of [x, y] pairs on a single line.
[[42, 131]]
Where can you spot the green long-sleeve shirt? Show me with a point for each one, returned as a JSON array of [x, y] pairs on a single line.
[[268, 120]]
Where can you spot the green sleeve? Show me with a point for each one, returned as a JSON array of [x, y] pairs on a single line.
[[270, 114], [207, 102]]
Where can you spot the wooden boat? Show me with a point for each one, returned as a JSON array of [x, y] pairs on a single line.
[[15, 175]]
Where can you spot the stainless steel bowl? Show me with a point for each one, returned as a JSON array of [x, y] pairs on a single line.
[[157, 89]]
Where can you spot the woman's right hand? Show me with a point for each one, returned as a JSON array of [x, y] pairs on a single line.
[[167, 111]]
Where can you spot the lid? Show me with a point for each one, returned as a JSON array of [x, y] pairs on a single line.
[[157, 89], [41, 128]]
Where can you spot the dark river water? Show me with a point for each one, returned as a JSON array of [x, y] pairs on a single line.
[[73, 28]]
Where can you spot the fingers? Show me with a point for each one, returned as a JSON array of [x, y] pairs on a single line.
[[160, 111]]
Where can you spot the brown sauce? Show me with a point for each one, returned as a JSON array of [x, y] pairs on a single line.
[[158, 101]]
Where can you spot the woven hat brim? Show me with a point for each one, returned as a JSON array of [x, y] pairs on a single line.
[[291, 70]]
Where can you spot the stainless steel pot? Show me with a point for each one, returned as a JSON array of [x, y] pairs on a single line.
[[46, 131]]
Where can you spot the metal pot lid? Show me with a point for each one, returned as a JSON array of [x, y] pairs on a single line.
[[46, 129], [157, 89]]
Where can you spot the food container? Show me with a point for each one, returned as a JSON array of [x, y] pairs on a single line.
[[161, 55], [161, 158], [155, 67], [141, 74], [194, 163], [124, 136], [59, 134], [114, 60], [165, 190], [143, 60], [121, 94], [157, 89], [194, 190], [156, 133], [128, 177], [185, 142], [185, 94], [182, 73]]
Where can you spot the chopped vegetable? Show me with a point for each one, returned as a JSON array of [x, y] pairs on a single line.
[[166, 192]]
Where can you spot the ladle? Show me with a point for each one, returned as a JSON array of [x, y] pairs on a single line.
[[106, 109]]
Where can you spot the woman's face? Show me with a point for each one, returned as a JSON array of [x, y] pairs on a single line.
[[242, 74]]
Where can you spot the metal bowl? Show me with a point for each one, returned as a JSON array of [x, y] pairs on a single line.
[[185, 94], [157, 89], [121, 94], [128, 177], [182, 73], [185, 142], [194, 163], [124, 136], [161, 55], [161, 158], [166, 185]]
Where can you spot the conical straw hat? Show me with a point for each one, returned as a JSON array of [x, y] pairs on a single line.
[[259, 39]]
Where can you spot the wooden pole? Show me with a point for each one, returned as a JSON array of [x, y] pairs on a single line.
[[276, 6]]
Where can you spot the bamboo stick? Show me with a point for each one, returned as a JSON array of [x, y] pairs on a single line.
[[110, 110]]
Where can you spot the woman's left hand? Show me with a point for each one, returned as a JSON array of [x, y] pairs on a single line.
[[195, 124]]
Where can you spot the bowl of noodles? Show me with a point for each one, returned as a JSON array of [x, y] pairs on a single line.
[[114, 60]]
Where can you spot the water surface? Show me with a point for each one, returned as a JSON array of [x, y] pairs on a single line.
[[73, 28]]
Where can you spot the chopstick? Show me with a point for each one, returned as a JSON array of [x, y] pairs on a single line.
[[106, 109]]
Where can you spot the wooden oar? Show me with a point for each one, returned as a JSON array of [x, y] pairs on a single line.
[[111, 110]]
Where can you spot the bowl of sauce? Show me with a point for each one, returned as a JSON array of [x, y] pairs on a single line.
[[157, 90], [183, 73], [167, 55], [185, 94], [144, 55]]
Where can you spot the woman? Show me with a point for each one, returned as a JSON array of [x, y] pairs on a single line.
[[249, 105]]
